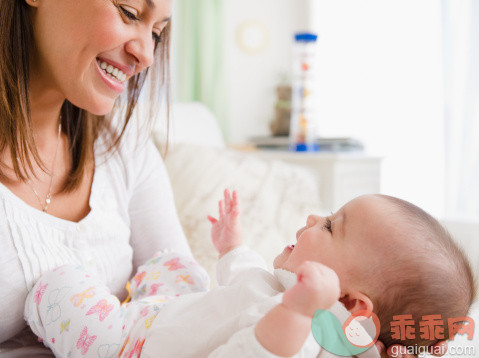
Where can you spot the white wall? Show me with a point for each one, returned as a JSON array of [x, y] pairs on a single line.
[[380, 80], [251, 78]]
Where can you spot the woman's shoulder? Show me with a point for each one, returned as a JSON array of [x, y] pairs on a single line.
[[135, 158], [134, 141]]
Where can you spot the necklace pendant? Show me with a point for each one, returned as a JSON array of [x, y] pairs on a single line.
[[47, 200]]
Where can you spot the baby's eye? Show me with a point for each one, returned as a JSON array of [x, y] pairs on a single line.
[[327, 225]]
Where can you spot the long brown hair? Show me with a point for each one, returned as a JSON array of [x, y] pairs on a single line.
[[82, 128]]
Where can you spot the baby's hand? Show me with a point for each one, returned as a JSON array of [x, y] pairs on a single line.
[[226, 232], [317, 288]]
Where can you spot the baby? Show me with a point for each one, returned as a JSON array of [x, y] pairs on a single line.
[[377, 253]]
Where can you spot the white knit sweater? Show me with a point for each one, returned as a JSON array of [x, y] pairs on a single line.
[[132, 216]]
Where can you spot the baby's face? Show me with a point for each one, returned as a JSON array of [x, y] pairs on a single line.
[[349, 241]]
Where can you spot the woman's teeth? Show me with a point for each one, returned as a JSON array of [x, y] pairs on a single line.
[[112, 72]]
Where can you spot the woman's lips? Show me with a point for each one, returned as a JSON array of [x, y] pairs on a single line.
[[110, 82]]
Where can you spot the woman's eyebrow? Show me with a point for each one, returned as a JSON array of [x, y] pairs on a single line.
[[150, 4]]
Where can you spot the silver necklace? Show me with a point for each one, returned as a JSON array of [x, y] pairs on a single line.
[[49, 196]]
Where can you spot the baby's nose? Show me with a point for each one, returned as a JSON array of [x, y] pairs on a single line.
[[299, 232], [312, 220]]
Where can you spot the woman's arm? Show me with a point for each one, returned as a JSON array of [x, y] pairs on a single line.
[[154, 221]]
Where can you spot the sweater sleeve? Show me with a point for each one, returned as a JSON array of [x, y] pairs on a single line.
[[237, 262], [154, 222]]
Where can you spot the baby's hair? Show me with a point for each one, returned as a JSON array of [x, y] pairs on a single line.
[[429, 276]]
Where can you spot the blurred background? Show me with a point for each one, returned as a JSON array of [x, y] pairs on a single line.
[[400, 76]]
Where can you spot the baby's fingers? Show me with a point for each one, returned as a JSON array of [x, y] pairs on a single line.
[[212, 220], [221, 208], [227, 200], [316, 275], [235, 207]]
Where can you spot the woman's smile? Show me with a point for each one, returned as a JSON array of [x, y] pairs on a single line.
[[110, 81], [113, 74], [112, 71]]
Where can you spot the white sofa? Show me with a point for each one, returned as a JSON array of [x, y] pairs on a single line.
[[276, 197]]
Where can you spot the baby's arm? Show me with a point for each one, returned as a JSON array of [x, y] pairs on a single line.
[[236, 261], [285, 328], [226, 231]]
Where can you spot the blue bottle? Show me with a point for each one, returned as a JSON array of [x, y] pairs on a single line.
[[302, 133]]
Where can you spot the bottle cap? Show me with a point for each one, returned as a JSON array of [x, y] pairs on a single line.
[[305, 37]]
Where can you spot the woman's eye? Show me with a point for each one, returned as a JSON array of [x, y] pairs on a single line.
[[128, 14], [156, 37]]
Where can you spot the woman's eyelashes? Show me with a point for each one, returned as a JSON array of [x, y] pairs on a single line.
[[156, 37], [131, 16], [128, 14]]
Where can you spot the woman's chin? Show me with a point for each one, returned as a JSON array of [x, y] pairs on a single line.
[[98, 104], [100, 109]]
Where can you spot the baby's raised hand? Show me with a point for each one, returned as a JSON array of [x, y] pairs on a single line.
[[317, 288], [226, 232]]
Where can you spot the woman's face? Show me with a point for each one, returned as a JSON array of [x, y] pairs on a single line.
[[76, 38]]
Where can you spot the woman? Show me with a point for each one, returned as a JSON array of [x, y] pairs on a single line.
[[61, 198], [70, 190]]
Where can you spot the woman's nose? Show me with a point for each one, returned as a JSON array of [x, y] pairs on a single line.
[[142, 48]]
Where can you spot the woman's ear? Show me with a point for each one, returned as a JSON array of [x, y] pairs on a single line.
[[356, 301], [33, 3]]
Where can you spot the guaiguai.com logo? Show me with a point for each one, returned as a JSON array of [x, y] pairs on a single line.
[[355, 336], [361, 330]]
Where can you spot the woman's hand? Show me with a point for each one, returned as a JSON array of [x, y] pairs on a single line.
[[398, 351], [226, 232]]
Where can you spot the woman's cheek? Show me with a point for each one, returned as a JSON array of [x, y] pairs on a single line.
[[108, 29]]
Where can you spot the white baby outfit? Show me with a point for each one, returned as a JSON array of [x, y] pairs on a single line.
[[171, 313]]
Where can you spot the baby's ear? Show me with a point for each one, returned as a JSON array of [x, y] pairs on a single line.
[[356, 301]]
